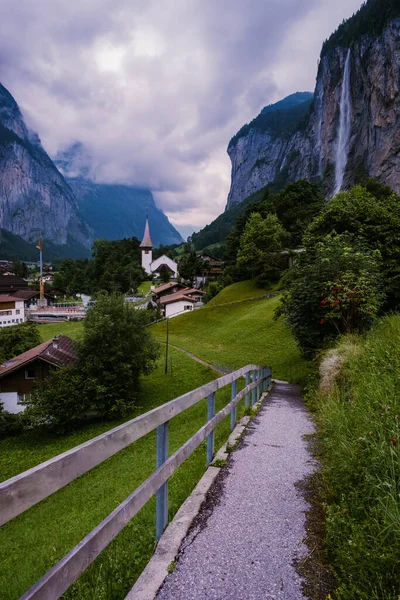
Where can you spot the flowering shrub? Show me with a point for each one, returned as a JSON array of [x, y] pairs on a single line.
[[334, 288]]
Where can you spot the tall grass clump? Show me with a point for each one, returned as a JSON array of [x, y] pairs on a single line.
[[359, 413]]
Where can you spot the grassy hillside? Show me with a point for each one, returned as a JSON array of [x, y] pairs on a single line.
[[236, 331], [42, 535], [238, 292], [359, 411]]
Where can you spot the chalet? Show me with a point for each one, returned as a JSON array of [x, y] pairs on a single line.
[[166, 289], [183, 300], [213, 268], [12, 311], [30, 297], [11, 283], [19, 375]]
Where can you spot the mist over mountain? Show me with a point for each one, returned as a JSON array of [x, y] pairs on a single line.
[[114, 211], [65, 205]]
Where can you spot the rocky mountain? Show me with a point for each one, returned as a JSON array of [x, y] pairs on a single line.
[[113, 211], [35, 199], [348, 130], [70, 211]]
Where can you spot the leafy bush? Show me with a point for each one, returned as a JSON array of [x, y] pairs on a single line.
[[332, 289], [370, 213], [10, 424], [18, 339]]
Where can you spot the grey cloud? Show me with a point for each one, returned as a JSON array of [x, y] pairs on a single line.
[[154, 90]]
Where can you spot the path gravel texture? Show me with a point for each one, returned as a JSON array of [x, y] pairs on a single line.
[[244, 542]]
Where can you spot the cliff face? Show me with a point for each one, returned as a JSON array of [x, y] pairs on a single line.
[[34, 197], [352, 131]]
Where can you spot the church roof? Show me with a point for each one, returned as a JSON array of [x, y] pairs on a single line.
[[146, 241]]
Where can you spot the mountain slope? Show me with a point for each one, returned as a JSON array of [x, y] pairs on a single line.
[[113, 211], [352, 129], [34, 197]]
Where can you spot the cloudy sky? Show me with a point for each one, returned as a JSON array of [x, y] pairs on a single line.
[[156, 88]]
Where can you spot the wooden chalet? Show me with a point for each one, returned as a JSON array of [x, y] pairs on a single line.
[[19, 375]]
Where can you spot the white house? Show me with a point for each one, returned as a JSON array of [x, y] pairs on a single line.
[[12, 311], [148, 264], [183, 300], [176, 306]]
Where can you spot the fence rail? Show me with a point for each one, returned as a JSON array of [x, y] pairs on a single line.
[[23, 491]]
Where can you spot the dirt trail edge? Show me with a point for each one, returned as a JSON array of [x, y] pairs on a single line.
[[244, 542]]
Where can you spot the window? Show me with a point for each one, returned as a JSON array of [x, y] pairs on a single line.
[[30, 373], [5, 312], [18, 311], [13, 320], [187, 307]]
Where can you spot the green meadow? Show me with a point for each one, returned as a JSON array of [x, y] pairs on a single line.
[[237, 328]]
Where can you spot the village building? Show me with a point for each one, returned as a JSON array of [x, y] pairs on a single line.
[[186, 299], [167, 288], [213, 268], [12, 311], [30, 298], [19, 375], [153, 266], [11, 283]]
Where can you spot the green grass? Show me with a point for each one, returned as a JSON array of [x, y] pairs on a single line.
[[72, 329], [360, 421], [238, 334], [144, 287], [42, 535], [237, 292]]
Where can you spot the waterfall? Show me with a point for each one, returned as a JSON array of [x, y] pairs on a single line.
[[344, 127]]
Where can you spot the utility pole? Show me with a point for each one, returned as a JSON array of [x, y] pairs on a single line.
[[41, 284], [166, 349]]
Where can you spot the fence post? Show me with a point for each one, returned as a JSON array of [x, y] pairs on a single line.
[[233, 411], [258, 376], [210, 437], [265, 381], [247, 397], [269, 377], [162, 493], [253, 391]]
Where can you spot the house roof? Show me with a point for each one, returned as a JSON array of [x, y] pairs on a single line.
[[146, 241], [181, 295], [59, 351], [8, 298], [192, 291], [167, 286], [25, 294], [7, 281]]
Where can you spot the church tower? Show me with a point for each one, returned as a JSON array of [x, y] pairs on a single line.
[[147, 247]]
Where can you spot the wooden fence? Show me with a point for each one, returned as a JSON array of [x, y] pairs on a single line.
[[23, 491]]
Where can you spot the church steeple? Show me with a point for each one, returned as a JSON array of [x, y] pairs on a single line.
[[147, 245], [146, 241]]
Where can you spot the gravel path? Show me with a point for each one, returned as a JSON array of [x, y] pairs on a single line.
[[244, 544]]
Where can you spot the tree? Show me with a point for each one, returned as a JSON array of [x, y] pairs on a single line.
[[333, 289], [20, 269], [18, 339], [370, 213], [260, 248], [295, 206], [115, 350]]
